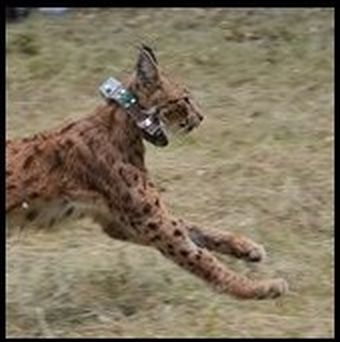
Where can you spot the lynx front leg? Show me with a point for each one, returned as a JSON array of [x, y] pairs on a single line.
[[226, 243], [171, 238], [149, 222]]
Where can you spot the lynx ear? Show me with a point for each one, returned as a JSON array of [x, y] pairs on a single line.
[[148, 50], [147, 71]]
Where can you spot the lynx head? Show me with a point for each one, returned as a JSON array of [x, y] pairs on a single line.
[[171, 101]]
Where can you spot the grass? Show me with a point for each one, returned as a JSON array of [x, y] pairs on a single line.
[[261, 164]]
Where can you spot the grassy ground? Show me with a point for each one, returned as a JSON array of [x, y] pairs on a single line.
[[261, 163]]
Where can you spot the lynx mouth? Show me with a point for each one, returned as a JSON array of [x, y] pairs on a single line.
[[189, 126]]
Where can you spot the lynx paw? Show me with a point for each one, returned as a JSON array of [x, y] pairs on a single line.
[[255, 253], [272, 289]]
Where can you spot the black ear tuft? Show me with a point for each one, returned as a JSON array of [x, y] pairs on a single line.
[[150, 52]]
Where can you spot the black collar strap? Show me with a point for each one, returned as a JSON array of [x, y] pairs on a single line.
[[148, 122]]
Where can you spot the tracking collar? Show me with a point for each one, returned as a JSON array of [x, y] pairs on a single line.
[[147, 120]]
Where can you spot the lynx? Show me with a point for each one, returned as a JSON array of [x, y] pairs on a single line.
[[94, 167]]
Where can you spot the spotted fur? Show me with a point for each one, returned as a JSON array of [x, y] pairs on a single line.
[[95, 167]]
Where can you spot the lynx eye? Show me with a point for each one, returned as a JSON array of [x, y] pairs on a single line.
[[186, 99]]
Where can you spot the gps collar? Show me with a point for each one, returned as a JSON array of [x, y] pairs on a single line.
[[147, 121]]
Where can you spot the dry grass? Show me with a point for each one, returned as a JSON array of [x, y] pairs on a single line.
[[261, 163]]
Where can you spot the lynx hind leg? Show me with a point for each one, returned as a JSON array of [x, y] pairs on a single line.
[[227, 243], [171, 238]]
